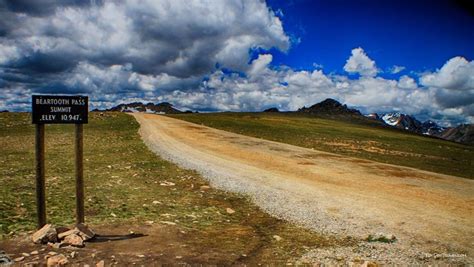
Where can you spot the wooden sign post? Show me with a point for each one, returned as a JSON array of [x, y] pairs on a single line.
[[56, 109]]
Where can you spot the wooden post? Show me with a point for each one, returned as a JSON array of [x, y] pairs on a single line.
[[79, 175], [40, 182]]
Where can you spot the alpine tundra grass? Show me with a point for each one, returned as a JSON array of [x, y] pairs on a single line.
[[127, 184], [355, 138]]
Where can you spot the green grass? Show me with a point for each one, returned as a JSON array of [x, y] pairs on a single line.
[[122, 180], [352, 138]]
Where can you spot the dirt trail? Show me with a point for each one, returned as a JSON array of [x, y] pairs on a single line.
[[326, 192]]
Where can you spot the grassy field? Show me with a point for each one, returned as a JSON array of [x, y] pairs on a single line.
[[358, 139], [125, 184]]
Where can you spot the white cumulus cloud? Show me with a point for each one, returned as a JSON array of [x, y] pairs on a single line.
[[360, 63]]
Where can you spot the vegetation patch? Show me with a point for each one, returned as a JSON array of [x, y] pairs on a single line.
[[351, 137], [126, 184]]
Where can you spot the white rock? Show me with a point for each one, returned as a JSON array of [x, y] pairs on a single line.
[[19, 259]]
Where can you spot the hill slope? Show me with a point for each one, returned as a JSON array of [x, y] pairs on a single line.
[[346, 137]]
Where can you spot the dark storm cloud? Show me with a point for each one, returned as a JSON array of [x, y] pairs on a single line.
[[42, 7]]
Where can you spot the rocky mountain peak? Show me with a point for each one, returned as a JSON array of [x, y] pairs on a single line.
[[329, 107]]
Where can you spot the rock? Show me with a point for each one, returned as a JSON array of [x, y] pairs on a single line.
[[62, 229], [70, 232], [55, 245], [277, 237], [156, 202], [57, 260], [141, 256], [19, 259], [52, 253], [74, 240], [166, 183], [85, 232], [35, 252], [205, 187], [25, 254], [73, 254], [100, 263], [44, 235], [230, 211], [32, 264]]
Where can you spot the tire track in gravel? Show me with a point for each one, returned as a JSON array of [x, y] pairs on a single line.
[[326, 192]]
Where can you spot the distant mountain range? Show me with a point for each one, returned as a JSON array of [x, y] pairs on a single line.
[[463, 133], [161, 108]]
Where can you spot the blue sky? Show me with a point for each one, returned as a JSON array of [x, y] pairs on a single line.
[[414, 57], [420, 35]]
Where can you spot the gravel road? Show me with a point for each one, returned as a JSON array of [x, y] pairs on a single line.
[[430, 214]]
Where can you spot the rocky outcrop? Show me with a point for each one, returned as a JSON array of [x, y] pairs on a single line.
[[163, 108], [330, 107], [271, 110]]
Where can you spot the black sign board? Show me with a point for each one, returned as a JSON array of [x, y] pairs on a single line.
[[60, 109]]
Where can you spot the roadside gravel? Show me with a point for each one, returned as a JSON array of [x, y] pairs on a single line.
[[329, 193]]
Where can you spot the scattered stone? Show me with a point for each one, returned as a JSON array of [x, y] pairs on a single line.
[[149, 222], [74, 240], [85, 232], [52, 253], [141, 256], [205, 187], [230, 211], [156, 202], [57, 260], [73, 254], [113, 215], [277, 237], [166, 183], [179, 257], [19, 259], [32, 264], [100, 263], [44, 235], [35, 252], [25, 254]]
